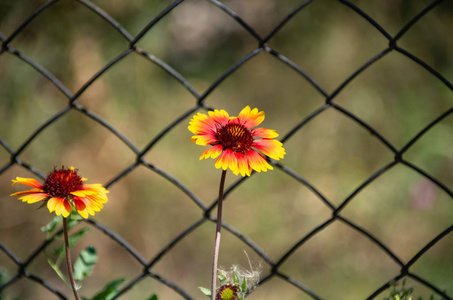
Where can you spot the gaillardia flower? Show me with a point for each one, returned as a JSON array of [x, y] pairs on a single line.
[[235, 141], [228, 292], [62, 190]]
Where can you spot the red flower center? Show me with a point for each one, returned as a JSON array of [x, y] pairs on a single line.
[[234, 137], [61, 182]]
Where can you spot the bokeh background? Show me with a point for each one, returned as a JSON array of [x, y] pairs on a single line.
[[327, 40]]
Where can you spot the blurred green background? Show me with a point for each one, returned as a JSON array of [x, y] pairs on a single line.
[[329, 41]]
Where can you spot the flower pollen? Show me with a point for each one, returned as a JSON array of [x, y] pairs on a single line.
[[61, 182], [235, 137]]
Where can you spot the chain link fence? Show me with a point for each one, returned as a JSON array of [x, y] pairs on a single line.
[[280, 267]]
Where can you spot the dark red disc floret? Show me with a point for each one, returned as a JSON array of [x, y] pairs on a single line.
[[235, 137], [61, 182]]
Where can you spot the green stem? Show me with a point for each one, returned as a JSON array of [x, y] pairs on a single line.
[[217, 236], [68, 259]]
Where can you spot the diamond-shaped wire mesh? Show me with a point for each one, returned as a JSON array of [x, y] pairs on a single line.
[[360, 92]]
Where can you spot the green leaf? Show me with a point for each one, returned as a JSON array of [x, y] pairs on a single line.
[[50, 227], [222, 278], [205, 291], [153, 297], [56, 268], [74, 216], [73, 239], [244, 285], [235, 277], [3, 279], [109, 291], [72, 220], [85, 263]]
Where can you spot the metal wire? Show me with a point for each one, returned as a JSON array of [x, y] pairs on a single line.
[[261, 42]]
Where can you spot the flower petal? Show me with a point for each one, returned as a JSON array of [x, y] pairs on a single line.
[[67, 208], [250, 118], [84, 192], [93, 192], [28, 181], [90, 206], [257, 162], [95, 187], [32, 191], [35, 197], [212, 152], [219, 116], [80, 207], [271, 148], [203, 140], [243, 166], [227, 159], [94, 205], [91, 203], [79, 204], [264, 133], [52, 203], [202, 124], [90, 199], [62, 207]]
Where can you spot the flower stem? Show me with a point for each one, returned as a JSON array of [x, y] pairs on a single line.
[[217, 236], [68, 259]]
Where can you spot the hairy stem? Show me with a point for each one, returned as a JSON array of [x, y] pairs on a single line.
[[217, 236], [68, 259]]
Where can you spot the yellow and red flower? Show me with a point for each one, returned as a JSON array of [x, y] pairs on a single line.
[[234, 142], [62, 190]]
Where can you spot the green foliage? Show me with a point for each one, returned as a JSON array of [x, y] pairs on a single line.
[[73, 239], [241, 284], [244, 284], [50, 227], [403, 293], [72, 220], [56, 267], [205, 291], [82, 263], [85, 263], [3, 279], [109, 291]]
